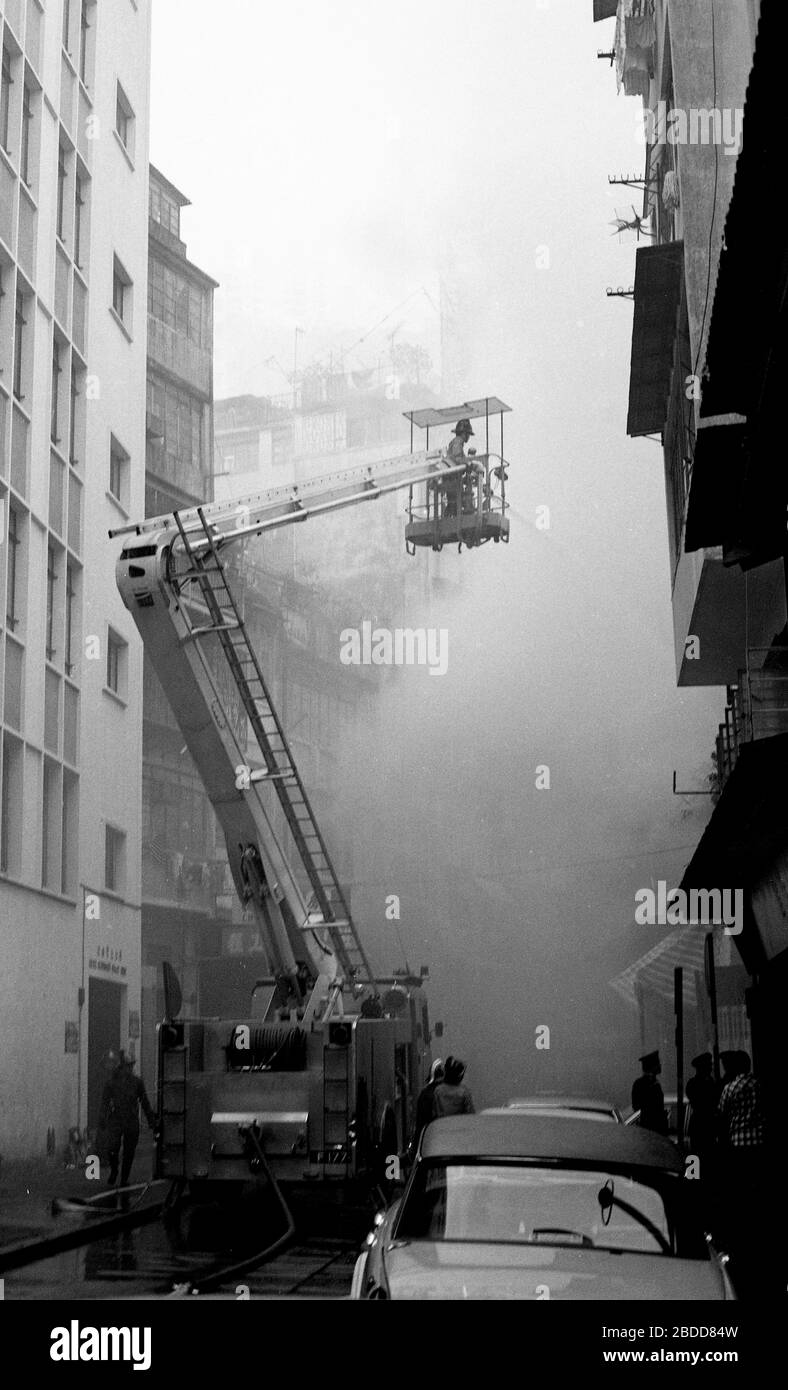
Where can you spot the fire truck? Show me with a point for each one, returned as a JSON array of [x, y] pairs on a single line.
[[317, 1079]]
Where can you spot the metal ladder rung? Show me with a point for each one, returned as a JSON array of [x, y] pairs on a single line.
[[209, 573]]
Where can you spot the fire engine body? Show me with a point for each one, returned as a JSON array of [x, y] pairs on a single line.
[[322, 1073]]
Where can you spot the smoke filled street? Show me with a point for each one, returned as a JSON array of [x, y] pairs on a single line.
[[393, 665]]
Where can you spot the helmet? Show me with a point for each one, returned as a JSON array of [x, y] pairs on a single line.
[[463, 427]]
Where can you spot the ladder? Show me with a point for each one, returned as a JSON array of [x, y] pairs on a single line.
[[226, 621]]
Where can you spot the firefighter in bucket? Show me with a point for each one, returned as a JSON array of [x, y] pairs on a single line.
[[460, 492]]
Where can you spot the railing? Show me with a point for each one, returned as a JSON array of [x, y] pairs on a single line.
[[757, 708], [476, 494]]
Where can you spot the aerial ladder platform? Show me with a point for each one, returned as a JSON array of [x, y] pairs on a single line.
[[173, 577]]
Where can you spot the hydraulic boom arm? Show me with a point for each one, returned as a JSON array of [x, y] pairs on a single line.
[[173, 581]]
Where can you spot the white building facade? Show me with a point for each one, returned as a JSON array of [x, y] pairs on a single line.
[[74, 104]]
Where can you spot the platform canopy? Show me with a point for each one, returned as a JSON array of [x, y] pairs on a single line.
[[450, 414]]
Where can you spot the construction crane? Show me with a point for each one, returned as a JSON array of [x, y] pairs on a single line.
[[279, 1073]]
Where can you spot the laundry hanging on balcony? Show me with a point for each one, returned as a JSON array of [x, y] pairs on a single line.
[[670, 190], [636, 35]]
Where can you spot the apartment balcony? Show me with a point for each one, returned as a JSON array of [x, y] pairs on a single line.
[[176, 354], [757, 709]]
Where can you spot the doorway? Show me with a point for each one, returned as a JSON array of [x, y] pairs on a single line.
[[104, 1016]]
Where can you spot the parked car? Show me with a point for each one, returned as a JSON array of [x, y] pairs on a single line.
[[520, 1206], [574, 1107]]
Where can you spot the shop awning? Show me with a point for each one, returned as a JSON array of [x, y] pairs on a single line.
[[604, 9], [654, 970], [658, 279]]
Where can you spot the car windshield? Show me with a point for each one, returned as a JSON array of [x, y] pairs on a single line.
[[528, 1204]]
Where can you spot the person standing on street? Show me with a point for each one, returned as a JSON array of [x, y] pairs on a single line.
[[703, 1094], [648, 1096], [119, 1118], [451, 1097], [425, 1103]]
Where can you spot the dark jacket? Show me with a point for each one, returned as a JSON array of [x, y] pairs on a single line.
[[425, 1107], [123, 1095], [649, 1098], [703, 1094]]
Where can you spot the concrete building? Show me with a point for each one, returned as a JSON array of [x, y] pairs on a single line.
[[74, 101], [183, 860], [707, 375], [688, 64]]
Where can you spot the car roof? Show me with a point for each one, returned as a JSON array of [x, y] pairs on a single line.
[[517, 1134], [554, 1101]]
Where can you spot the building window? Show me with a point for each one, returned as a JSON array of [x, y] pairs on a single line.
[[165, 210], [118, 471], [72, 435], [11, 807], [121, 293], [56, 370], [61, 190], [50, 826], [71, 595], [5, 100], [51, 590], [27, 122], [67, 26], [80, 203], [84, 35], [116, 664], [114, 859], [68, 856], [182, 306], [12, 611], [20, 324], [124, 120]]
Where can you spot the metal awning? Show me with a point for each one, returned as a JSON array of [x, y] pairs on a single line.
[[658, 280], [654, 970], [450, 414]]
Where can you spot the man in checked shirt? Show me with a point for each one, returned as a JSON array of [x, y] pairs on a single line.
[[743, 1175], [741, 1111]]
